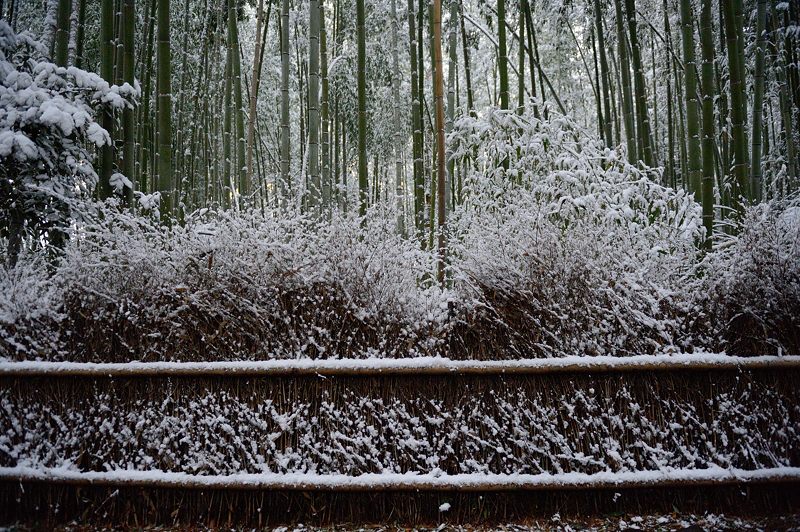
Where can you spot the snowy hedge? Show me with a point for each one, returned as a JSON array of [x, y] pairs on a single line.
[[582, 254]]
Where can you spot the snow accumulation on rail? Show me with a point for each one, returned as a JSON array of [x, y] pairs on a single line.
[[411, 366], [405, 481]]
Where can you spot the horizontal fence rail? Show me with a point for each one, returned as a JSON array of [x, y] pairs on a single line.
[[400, 367], [406, 482]]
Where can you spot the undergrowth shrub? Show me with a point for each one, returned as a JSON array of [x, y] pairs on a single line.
[[227, 286], [573, 251], [749, 289]]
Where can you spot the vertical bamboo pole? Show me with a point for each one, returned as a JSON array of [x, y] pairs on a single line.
[[758, 100], [627, 98], [707, 79], [363, 178], [165, 181], [285, 183], [692, 103], [313, 106], [438, 96]]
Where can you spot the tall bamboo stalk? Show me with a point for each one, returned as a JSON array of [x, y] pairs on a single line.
[[254, 86], [467, 66], [242, 177], [325, 109], [128, 115], [643, 128], [165, 181], [597, 88], [740, 183], [627, 98], [363, 177], [146, 183], [227, 121], [416, 123], [313, 105], [181, 111], [707, 79], [786, 107], [285, 184], [758, 100], [601, 48], [502, 53], [398, 133], [80, 31], [423, 108], [62, 32], [521, 65], [451, 99], [692, 103], [107, 73], [669, 167], [438, 96]]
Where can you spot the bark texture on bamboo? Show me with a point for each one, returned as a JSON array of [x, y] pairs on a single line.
[[692, 103], [363, 178], [165, 181]]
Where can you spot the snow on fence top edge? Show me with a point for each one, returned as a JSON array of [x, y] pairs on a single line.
[[410, 366], [406, 481]]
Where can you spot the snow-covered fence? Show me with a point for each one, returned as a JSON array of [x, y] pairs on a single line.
[[420, 425]]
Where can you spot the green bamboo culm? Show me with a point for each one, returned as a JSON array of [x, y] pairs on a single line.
[[62, 32], [740, 184], [452, 42], [227, 127], [467, 66], [502, 53], [242, 178], [396, 116], [601, 49], [325, 108], [521, 65], [314, 198], [164, 129], [285, 183], [502, 61], [644, 138], [128, 22], [363, 177], [627, 98], [423, 153], [416, 124], [692, 103], [146, 183], [438, 98], [107, 73], [758, 100], [79, 33], [787, 119], [533, 62], [707, 87], [669, 170]]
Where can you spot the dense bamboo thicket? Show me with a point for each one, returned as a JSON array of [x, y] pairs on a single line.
[[244, 104]]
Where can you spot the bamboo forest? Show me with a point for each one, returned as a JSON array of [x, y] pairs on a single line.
[[400, 264]]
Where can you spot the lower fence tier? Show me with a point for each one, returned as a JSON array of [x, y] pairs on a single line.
[[543, 426], [47, 505]]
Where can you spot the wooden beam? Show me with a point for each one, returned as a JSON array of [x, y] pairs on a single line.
[[406, 481], [401, 367]]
